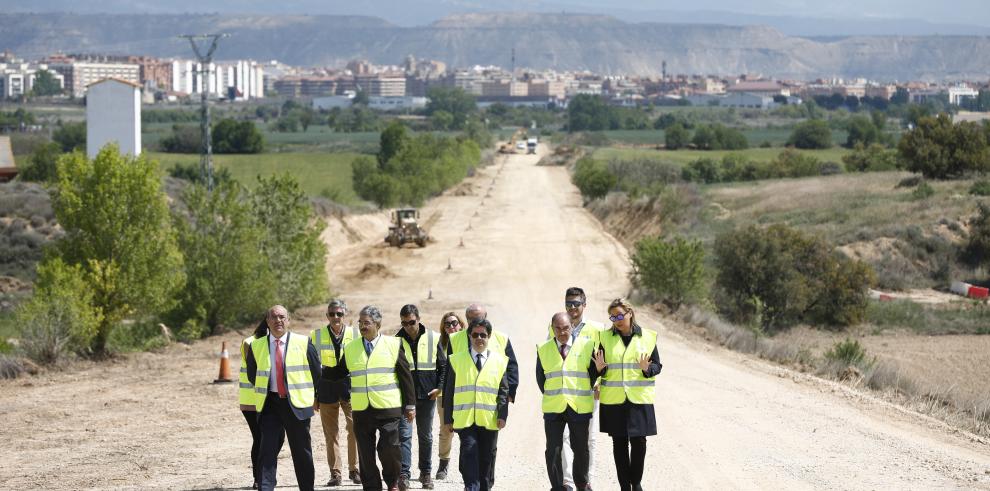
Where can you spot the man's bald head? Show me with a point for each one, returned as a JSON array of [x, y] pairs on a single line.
[[278, 320], [561, 324], [475, 311]]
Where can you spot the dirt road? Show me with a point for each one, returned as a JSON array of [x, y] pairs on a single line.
[[726, 421]]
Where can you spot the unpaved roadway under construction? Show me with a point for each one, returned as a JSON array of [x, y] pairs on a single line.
[[153, 420]]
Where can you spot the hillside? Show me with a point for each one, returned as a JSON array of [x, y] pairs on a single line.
[[562, 41]]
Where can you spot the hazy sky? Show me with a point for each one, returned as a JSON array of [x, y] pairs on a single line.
[[418, 12]]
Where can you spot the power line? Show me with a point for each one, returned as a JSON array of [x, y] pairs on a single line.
[[206, 156]]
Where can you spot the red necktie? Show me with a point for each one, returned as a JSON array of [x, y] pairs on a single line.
[[279, 371]]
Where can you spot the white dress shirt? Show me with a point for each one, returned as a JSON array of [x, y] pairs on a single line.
[[474, 357], [272, 381]]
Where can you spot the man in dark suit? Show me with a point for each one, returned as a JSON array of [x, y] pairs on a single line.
[[286, 368]]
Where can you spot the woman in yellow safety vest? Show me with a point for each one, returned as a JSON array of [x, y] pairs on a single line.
[[631, 363], [449, 324], [247, 398]]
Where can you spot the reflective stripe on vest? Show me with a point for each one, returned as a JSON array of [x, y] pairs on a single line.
[[460, 342], [323, 340], [591, 330], [567, 381], [246, 396], [373, 380], [476, 394], [425, 352], [298, 377], [624, 380]]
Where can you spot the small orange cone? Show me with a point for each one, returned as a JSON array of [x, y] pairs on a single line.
[[224, 376]]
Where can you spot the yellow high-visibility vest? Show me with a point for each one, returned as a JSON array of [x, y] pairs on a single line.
[[323, 340], [426, 347], [624, 380], [591, 330], [299, 379], [460, 342], [567, 381], [476, 394], [246, 396], [374, 382]]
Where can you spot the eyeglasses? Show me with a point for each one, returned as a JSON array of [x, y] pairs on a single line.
[[616, 318], [365, 323], [338, 314], [452, 323], [477, 335], [410, 322], [573, 304]]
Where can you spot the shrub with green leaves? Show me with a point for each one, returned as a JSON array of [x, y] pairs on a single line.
[[872, 158], [672, 271], [59, 318], [592, 178], [922, 192], [977, 250], [939, 149], [780, 277], [848, 352], [811, 134], [980, 188]]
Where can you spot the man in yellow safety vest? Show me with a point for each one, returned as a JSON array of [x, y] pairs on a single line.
[[284, 371], [476, 404]]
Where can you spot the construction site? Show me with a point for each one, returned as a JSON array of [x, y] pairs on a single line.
[[513, 237]]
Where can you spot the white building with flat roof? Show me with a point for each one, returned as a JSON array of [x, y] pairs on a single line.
[[113, 115]]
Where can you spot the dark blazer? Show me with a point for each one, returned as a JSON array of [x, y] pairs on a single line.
[[502, 399], [511, 372], [426, 380], [406, 385], [312, 356]]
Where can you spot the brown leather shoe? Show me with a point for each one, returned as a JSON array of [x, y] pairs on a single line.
[[335, 480], [426, 480]]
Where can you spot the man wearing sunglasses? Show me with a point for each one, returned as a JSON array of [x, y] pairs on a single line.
[[427, 361], [575, 301], [476, 402], [334, 395]]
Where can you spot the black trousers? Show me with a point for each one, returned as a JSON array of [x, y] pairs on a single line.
[[628, 462], [252, 420], [477, 457], [388, 449], [277, 423], [554, 430]]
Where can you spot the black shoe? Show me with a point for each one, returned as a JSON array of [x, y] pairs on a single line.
[[442, 469], [335, 480], [403, 483], [355, 477]]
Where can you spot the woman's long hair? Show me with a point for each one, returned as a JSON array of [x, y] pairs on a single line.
[[444, 337], [262, 329]]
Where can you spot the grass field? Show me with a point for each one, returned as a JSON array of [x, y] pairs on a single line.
[[316, 172], [755, 136], [683, 157]]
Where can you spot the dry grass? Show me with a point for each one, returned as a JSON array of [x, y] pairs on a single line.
[[956, 407]]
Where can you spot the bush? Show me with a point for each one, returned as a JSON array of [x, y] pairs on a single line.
[[977, 250], [676, 137], [639, 177], [792, 163], [42, 165], [71, 136], [938, 149], [862, 132], [781, 276], [719, 137], [872, 158], [230, 136], [811, 134], [672, 271], [184, 139], [704, 170], [922, 192], [60, 317], [848, 352], [191, 172], [592, 178], [980, 188]]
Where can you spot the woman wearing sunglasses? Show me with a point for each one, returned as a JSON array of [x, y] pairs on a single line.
[[449, 324], [628, 362]]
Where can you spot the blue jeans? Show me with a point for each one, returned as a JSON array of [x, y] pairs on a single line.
[[424, 433]]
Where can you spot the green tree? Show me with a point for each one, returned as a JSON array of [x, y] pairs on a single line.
[[704, 138], [453, 100], [42, 166], [227, 277], [442, 120], [862, 131], [938, 149], [588, 113], [59, 317], [360, 99], [392, 141], [672, 271], [45, 84], [781, 276], [977, 249], [812, 134], [71, 136], [232, 136], [291, 243], [676, 137], [117, 229], [593, 179]]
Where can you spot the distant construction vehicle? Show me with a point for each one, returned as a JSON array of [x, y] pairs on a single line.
[[405, 228], [531, 145]]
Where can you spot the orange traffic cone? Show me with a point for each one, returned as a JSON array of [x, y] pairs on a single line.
[[224, 376]]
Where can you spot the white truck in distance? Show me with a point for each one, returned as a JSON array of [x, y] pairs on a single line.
[[531, 145]]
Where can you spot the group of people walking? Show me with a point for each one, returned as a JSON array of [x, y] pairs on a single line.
[[467, 372]]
